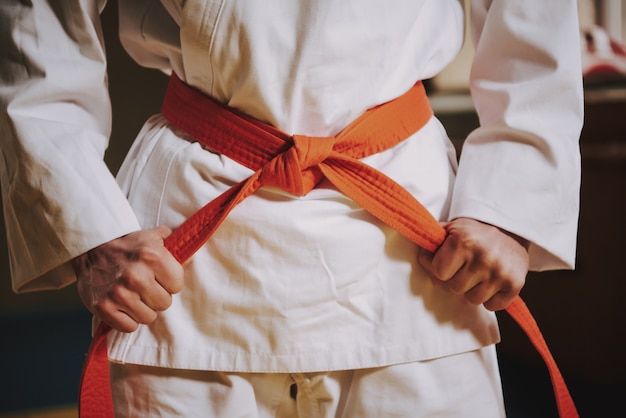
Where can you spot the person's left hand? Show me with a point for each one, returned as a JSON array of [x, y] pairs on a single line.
[[480, 261]]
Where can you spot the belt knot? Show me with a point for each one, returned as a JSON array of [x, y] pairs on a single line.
[[296, 170]]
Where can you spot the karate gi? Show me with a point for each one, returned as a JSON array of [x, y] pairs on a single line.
[[290, 284]]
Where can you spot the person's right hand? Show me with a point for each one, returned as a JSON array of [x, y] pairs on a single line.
[[127, 281]]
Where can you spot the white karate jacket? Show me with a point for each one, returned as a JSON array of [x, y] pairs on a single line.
[[290, 284]]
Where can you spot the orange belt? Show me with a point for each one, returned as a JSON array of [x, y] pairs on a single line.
[[297, 164]]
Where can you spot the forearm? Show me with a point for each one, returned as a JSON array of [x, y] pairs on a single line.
[[59, 198]]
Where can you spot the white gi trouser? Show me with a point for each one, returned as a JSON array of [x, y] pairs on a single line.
[[464, 385]]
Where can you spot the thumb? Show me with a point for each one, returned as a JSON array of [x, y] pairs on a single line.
[[425, 258]]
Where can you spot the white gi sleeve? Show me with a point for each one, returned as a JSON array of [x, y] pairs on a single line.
[[520, 170], [59, 198]]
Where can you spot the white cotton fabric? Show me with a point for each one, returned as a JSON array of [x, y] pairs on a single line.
[[290, 284], [420, 389]]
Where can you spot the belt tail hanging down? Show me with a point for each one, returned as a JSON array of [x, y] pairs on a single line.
[[296, 164]]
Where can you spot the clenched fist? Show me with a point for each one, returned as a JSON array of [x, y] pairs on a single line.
[[126, 281], [480, 261]]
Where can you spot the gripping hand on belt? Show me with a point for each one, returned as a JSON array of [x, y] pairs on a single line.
[[126, 281], [480, 261]]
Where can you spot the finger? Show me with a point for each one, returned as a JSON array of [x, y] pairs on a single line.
[[140, 313], [425, 259], [464, 280], [121, 322], [131, 303], [499, 301], [109, 312], [140, 279], [158, 299], [448, 260], [167, 270], [480, 293]]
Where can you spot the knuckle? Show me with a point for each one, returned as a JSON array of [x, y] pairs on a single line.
[[139, 278], [456, 241], [500, 300], [147, 317], [105, 305], [517, 288], [437, 272], [473, 299], [465, 239], [496, 303], [440, 270], [490, 259], [128, 327], [175, 281], [491, 306], [120, 295], [133, 279], [100, 307], [455, 288], [476, 295], [149, 253], [163, 303], [178, 286]]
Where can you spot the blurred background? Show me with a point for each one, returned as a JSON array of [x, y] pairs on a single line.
[[44, 336]]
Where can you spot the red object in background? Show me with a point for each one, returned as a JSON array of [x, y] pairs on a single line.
[[603, 57]]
